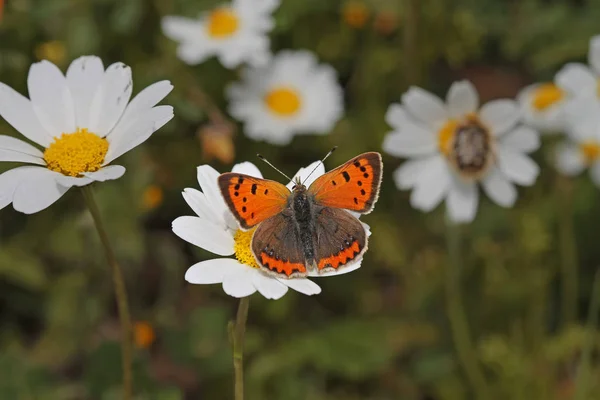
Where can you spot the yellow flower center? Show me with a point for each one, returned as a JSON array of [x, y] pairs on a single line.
[[590, 151], [546, 95], [283, 101], [445, 136], [243, 247], [222, 22], [73, 154]]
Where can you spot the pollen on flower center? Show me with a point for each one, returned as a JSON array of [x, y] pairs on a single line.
[[546, 95], [445, 136], [283, 101], [243, 247], [72, 154], [222, 22], [590, 151]]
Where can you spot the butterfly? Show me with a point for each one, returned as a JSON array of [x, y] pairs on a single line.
[[306, 229]]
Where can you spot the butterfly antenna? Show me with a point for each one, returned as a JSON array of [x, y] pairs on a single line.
[[272, 166], [322, 162]]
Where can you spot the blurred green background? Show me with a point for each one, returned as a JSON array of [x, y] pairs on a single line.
[[379, 333]]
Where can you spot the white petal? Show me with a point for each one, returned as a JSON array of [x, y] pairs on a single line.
[[424, 106], [269, 287], [180, 28], [198, 203], [148, 98], [595, 173], [576, 78], [37, 191], [413, 140], [9, 181], [407, 175], [207, 178], [16, 150], [127, 136], [239, 283], [523, 139], [432, 186], [212, 271], [17, 110], [110, 99], [51, 98], [594, 54], [518, 167], [247, 168], [499, 189], [569, 159], [306, 175], [304, 286], [84, 77], [500, 115], [204, 234], [462, 201], [108, 173], [396, 115], [462, 99], [69, 181]]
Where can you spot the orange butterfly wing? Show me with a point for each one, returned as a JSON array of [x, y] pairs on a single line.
[[252, 200], [353, 185]]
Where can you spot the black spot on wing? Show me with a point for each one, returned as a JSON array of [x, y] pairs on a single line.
[[254, 187], [346, 176]]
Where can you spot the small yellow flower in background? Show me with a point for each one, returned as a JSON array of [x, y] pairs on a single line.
[[143, 334], [543, 106], [53, 51], [152, 197], [355, 14], [385, 22]]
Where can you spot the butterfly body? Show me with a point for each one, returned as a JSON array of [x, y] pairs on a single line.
[[310, 228]]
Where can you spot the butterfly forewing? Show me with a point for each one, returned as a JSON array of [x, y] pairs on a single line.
[[353, 185], [252, 200], [340, 239], [277, 247]]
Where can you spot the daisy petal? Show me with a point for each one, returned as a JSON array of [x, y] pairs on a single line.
[[239, 283], [70, 181], [180, 28], [37, 190], [499, 189], [247, 168], [17, 110], [569, 159], [424, 106], [433, 185], [411, 141], [522, 139], [51, 98], [576, 78], [595, 173], [16, 150], [594, 54], [407, 175], [110, 99], [396, 116], [197, 202], [304, 286], [83, 77], [500, 115], [269, 287], [212, 271], [108, 173], [9, 181], [207, 178], [462, 99], [518, 167], [148, 98], [462, 201], [204, 234]]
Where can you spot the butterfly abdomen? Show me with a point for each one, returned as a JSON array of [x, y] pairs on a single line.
[[303, 216]]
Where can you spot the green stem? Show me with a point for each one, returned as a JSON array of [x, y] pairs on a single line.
[[239, 330], [458, 319], [120, 293], [583, 375], [568, 252]]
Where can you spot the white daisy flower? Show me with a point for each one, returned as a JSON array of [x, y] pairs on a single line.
[[292, 95], [543, 106], [454, 146], [235, 33], [582, 150], [83, 121], [583, 80], [216, 230]]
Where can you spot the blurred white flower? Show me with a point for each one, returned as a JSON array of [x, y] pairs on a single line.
[[581, 150], [543, 107], [216, 230], [292, 95], [583, 80], [235, 33], [454, 146], [83, 120]]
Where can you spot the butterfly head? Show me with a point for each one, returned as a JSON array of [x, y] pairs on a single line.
[[298, 186]]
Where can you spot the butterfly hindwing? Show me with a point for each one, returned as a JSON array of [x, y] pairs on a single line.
[[277, 247], [353, 185], [340, 239], [252, 200]]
